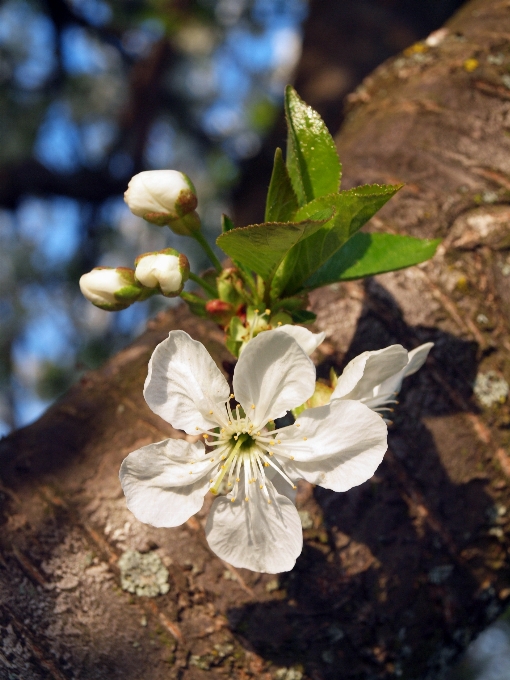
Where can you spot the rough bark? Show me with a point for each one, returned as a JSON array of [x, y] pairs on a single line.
[[398, 574]]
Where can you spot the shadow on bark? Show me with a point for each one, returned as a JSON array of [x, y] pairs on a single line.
[[383, 585]]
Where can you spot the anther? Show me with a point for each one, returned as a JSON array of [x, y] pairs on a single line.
[[278, 441], [191, 472], [205, 436], [298, 424], [246, 499], [211, 481], [232, 500], [305, 438], [271, 453], [279, 323], [271, 443], [197, 428], [268, 311], [211, 412], [231, 396], [266, 464], [256, 311], [237, 479], [261, 486], [269, 502], [292, 457], [253, 405], [294, 486]]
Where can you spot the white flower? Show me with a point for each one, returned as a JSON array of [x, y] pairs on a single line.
[[110, 288], [160, 196], [255, 525], [375, 378], [167, 270], [307, 340]]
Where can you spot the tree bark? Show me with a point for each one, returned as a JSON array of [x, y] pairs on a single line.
[[397, 575]]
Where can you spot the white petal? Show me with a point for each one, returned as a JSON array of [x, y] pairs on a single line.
[[155, 191], [160, 269], [307, 340], [255, 535], [280, 484], [184, 384], [345, 444], [366, 371], [417, 358], [391, 386], [158, 487], [274, 375]]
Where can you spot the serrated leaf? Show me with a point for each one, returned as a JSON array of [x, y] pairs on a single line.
[[262, 247], [352, 209], [312, 160], [281, 202], [226, 223], [369, 254]]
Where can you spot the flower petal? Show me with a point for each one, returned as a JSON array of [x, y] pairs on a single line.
[[272, 376], [307, 340], [158, 485], [184, 384], [339, 445], [255, 535], [387, 390], [368, 370]]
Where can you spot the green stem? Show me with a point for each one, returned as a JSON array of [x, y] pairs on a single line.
[[207, 287], [198, 236]]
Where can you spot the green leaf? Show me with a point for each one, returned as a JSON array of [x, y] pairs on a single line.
[[312, 160], [281, 202], [262, 247], [226, 223], [303, 316], [369, 254], [352, 209]]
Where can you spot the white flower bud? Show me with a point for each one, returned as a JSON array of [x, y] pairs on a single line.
[[160, 196], [166, 269], [109, 288]]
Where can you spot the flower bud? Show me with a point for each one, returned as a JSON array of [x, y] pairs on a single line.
[[110, 288], [219, 311], [160, 196], [230, 286], [166, 270]]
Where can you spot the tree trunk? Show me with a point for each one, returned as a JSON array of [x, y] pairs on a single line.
[[397, 575]]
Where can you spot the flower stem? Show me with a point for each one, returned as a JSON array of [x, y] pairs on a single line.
[[203, 284], [199, 237]]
